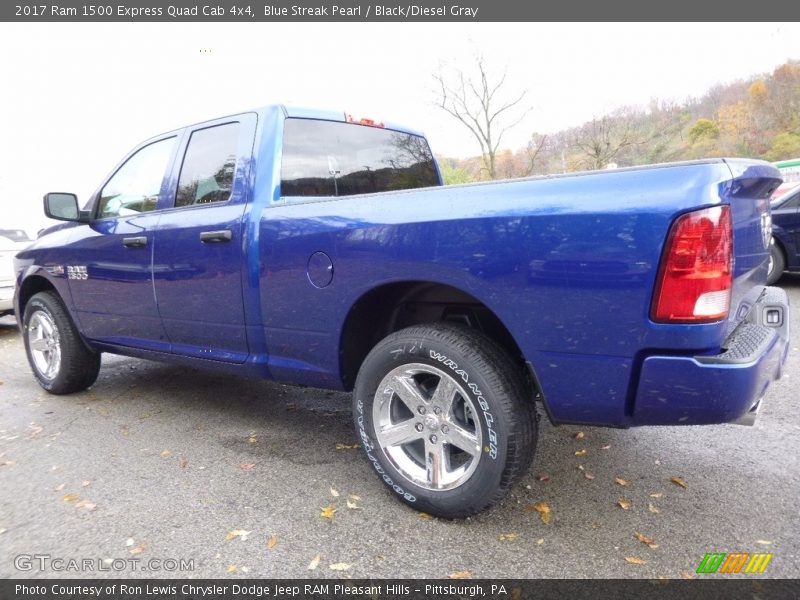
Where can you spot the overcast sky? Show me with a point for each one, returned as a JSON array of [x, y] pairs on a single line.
[[76, 97]]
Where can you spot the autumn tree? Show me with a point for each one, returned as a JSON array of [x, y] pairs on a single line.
[[484, 105]]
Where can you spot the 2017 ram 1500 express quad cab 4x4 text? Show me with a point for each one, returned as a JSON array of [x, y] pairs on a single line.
[[313, 248]]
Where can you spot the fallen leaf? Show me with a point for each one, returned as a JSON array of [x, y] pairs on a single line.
[[8, 463], [272, 542], [70, 497], [60, 487], [763, 542], [136, 550], [351, 504], [3, 530], [166, 453], [679, 481], [507, 537], [354, 498], [605, 447], [425, 516], [540, 541], [544, 511], [652, 508], [687, 575], [334, 493], [339, 567], [656, 495], [588, 476], [347, 446], [328, 512], [184, 463], [86, 483], [253, 439], [635, 561], [232, 569], [579, 435], [579, 467], [90, 506], [460, 575], [581, 452], [624, 503], [543, 477], [246, 466], [314, 563], [621, 481], [645, 540], [238, 533]]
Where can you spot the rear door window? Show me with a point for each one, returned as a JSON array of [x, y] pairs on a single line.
[[329, 158], [208, 166]]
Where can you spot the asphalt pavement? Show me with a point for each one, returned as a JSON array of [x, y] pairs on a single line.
[[192, 474]]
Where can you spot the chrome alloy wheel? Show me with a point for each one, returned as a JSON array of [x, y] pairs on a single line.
[[45, 345], [427, 426]]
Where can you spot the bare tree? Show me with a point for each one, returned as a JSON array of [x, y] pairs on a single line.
[[602, 139], [478, 104]]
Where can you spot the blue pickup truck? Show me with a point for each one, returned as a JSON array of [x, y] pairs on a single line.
[[323, 250]]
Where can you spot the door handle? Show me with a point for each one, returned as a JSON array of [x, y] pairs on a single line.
[[210, 237], [135, 242]]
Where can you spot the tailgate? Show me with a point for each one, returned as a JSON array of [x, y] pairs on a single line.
[[748, 195]]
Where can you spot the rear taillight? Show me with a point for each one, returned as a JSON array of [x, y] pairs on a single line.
[[694, 280]]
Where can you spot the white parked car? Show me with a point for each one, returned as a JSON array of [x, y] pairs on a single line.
[[11, 242]]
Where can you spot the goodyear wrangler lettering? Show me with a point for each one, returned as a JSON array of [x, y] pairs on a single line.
[[488, 417]]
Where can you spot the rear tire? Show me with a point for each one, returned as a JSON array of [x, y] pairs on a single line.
[[444, 418], [61, 361], [777, 263]]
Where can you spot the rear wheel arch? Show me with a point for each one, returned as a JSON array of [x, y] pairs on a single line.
[[391, 307]]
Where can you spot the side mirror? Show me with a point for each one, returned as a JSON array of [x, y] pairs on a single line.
[[64, 207]]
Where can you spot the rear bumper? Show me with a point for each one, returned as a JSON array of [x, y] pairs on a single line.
[[727, 387]]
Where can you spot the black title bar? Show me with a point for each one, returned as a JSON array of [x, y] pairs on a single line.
[[395, 11], [402, 589]]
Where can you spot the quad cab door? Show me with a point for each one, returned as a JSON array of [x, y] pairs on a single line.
[[198, 258], [109, 260]]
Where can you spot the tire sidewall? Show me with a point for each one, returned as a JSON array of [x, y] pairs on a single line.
[[40, 304], [778, 263], [484, 481]]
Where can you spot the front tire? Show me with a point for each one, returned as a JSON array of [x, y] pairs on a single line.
[[59, 358], [444, 418]]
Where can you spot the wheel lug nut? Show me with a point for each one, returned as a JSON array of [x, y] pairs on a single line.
[[445, 429], [421, 410], [437, 410], [434, 439], [419, 427]]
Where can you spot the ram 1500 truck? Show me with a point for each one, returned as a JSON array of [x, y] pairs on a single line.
[[314, 248]]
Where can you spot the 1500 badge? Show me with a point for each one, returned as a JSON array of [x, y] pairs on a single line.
[[77, 272]]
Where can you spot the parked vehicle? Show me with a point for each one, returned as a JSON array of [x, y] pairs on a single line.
[[11, 242], [314, 248], [785, 245]]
